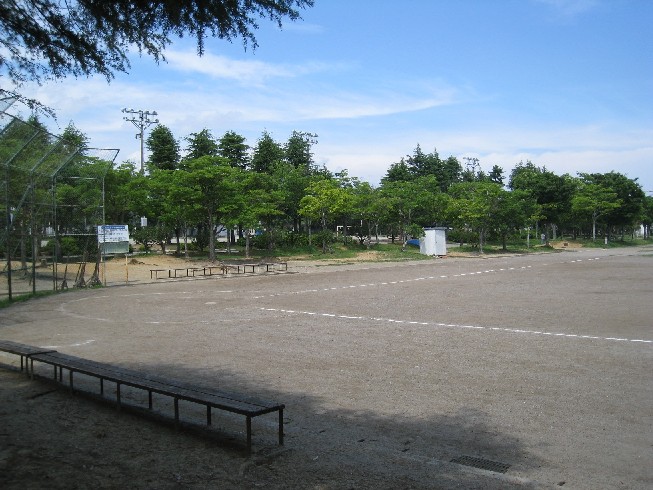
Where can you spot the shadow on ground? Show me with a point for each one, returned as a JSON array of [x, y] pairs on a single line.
[[50, 438]]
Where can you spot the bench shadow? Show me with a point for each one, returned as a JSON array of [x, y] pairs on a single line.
[[327, 445]]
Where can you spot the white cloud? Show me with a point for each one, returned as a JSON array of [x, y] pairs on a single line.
[[243, 71], [303, 27], [570, 8], [592, 149]]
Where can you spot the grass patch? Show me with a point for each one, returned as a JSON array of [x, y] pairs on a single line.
[[376, 253], [497, 249], [613, 243], [5, 302]]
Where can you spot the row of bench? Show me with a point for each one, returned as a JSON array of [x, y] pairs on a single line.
[[218, 270], [178, 390]]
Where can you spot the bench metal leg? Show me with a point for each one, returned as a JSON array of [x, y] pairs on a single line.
[[70, 380], [176, 412], [118, 396], [149, 399], [281, 427], [249, 434], [102, 386], [208, 415]]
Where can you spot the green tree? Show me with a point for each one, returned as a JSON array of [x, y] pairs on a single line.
[[170, 206], [298, 150], [514, 210], [404, 200], [449, 173], [211, 181], [552, 192], [595, 201], [74, 137], [43, 39], [258, 202], [267, 154], [138, 195], [323, 200], [200, 145], [630, 195], [292, 183], [398, 172], [476, 205], [496, 175], [647, 216], [117, 200], [232, 146], [432, 204], [163, 148], [421, 164]]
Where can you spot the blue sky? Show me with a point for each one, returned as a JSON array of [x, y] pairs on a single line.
[[567, 84]]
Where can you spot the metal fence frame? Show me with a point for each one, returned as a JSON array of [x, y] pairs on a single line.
[[52, 195]]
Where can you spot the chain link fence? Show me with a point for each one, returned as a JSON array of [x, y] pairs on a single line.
[[51, 204]]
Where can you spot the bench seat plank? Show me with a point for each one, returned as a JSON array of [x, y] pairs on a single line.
[[176, 389], [22, 350]]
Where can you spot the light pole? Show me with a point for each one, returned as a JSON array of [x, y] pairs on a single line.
[[140, 119]]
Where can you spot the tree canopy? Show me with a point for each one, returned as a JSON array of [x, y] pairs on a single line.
[[45, 39], [164, 149]]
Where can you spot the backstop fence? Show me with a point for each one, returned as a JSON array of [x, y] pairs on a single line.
[[51, 204]]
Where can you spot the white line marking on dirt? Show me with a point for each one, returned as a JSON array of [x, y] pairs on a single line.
[[404, 281], [453, 325], [78, 344]]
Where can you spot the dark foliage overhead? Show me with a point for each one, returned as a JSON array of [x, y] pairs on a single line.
[[44, 39]]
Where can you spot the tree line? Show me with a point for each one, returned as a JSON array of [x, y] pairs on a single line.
[[274, 195], [278, 190]]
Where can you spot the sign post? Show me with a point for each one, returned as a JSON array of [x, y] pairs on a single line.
[[114, 239]]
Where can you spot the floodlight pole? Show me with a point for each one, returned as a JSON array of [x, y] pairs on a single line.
[[140, 119]]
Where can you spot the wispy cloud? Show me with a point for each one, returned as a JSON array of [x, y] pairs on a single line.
[[303, 27], [244, 71], [569, 8]]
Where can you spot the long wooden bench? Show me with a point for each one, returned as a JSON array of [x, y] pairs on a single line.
[[176, 389], [22, 350], [223, 269]]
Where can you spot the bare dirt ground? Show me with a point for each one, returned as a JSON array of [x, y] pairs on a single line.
[[388, 372]]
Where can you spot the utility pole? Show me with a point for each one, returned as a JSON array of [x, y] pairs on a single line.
[[140, 119]]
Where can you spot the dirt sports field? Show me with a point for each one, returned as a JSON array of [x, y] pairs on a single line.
[[389, 371]]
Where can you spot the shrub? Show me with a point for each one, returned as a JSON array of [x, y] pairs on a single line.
[[68, 246]]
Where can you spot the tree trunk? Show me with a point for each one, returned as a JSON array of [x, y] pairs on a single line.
[[211, 239], [185, 241], [310, 235], [23, 248], [324, 229], [177, 236], [369, 235]]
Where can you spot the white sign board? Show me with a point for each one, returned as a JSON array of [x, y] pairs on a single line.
[[112, 233]]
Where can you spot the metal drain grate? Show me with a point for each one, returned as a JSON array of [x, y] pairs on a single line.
[[484, 464]]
